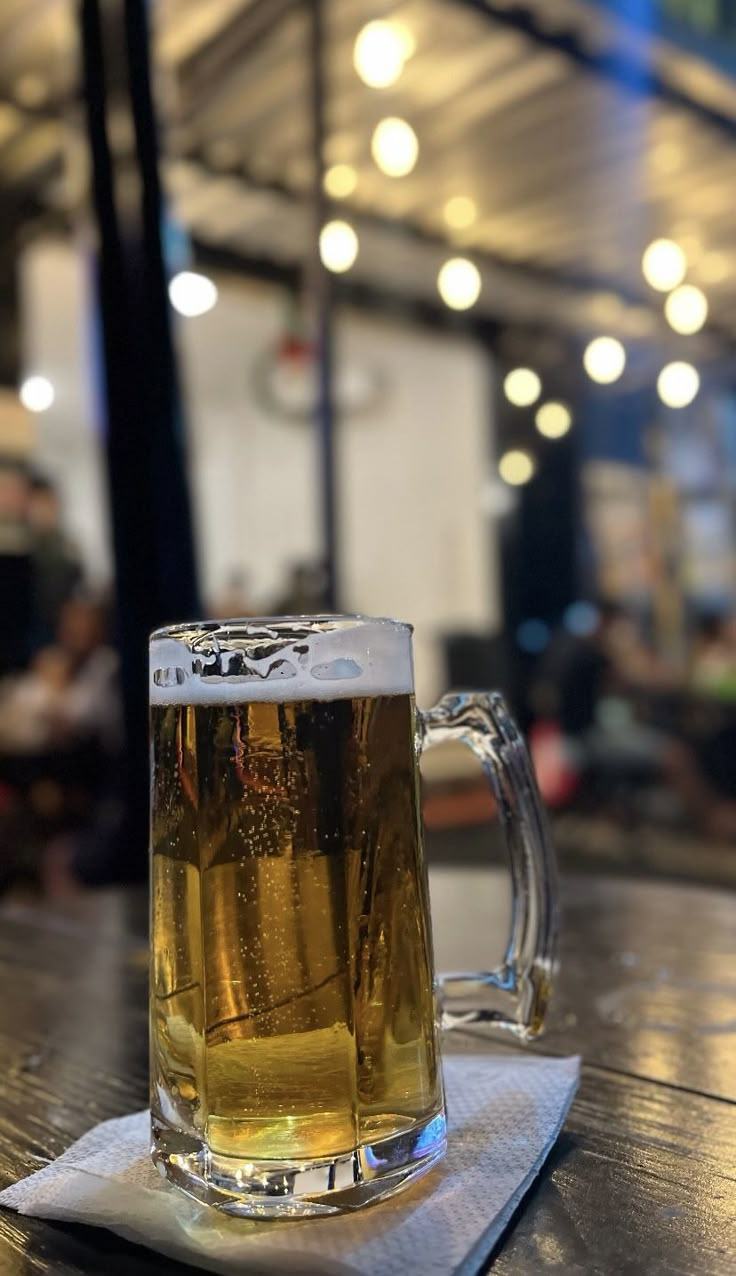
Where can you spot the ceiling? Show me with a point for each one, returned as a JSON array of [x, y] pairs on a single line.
[[578, 139]]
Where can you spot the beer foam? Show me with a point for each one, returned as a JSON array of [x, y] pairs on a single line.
[[280, 659]]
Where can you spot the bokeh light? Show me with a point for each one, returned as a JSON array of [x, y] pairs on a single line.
[[677, 384], [522, 387], [460, 212], [686, 309], [459, 283], [338, 246], [192, 294], [380, 51], [533, 635], [37, 393], [394, 146], [664, 264], [604, 360], [553, 419], [516, 467], [340, 181]]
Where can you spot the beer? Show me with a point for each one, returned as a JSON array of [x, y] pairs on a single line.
[[292, 1001]]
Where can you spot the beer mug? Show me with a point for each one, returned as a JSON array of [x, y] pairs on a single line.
[[295, 1064]]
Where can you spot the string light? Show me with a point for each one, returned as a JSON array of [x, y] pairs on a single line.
[[664, 264], [553, 419], [677, 384], [516, 467], [522, 387], [460, 212], [459, 283], [380, 51], [37, 393], [192, 294], [338, 246], [686, 309], [604, 360], [394, 146], [340, 181]]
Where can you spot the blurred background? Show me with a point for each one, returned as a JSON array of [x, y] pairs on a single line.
[[421, 309]]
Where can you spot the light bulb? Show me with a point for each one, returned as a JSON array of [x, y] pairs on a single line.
[[516, 467], [192, 294], [338, 246], [340, 181], [604, 360], [677, 384], [394, 146], [686, 309], [664, 264], [522, 387], [37, 393], [459, 283], [380, 51], [460, 212], [553, 420]]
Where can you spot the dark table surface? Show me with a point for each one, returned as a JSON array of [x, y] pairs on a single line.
[[643, 1177]]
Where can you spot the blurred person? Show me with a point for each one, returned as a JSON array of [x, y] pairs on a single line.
[[56, 566], [580, 688], [60, 742], [31, 702], [92, 708], [589, 730]]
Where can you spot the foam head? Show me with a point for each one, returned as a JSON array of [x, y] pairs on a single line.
[[279, 659]]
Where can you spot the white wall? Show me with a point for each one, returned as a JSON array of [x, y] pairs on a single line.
[[416, 543], [56, 339]]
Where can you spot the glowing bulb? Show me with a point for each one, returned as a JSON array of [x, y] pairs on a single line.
[[394, 146], [664, 264], [604, 360], [340, 181], [380, 51], [686, 309], [459, 283], [677, 384], [522, 387], [338, 246], [516, 467], [191, 294], [460, 212], [553, 420], [37, 394]]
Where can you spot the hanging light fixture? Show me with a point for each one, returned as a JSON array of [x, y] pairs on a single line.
[[394, 146], [664, 264], [459, 283], [604, 360], [522, 387], [338, 246], [677, 384]]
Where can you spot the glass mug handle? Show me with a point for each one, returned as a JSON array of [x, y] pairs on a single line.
[[515, 995]]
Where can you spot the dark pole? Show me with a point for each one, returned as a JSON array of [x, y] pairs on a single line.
[[321, 297], [149, 501]]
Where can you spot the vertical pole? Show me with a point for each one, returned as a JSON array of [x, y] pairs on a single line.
[[321, 291], [149, 501]]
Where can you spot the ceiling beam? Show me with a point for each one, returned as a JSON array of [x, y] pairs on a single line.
[[634, 73]]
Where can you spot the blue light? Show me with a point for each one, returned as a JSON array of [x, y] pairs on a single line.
[[581, 619], [532, 636]]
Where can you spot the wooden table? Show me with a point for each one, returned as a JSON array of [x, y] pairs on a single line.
[[643, 1177]]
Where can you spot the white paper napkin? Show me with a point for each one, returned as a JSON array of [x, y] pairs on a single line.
[[504, 1116]]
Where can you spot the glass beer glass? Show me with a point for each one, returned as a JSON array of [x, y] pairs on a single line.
[[295, 1063]]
